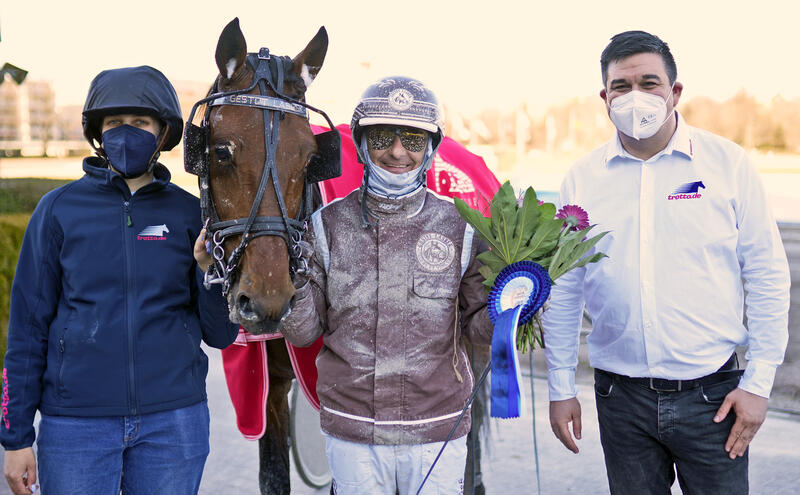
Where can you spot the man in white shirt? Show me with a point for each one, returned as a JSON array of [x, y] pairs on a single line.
[[691, 241]]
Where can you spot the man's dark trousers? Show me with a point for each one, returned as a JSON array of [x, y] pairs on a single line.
[[644, 432]]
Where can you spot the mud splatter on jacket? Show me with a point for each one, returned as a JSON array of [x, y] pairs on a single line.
[[393, 303]]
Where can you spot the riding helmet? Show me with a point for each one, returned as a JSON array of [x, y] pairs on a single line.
[[402, 101], [136, 90]]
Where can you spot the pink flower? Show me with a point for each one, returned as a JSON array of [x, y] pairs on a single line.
[[575, 217]]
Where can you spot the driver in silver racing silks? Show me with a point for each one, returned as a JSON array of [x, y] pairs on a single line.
[[393, 287]]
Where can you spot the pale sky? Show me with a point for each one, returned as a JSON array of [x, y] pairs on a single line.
[[473, 54]]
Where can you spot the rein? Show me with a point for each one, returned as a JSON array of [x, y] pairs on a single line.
[[324, 165]]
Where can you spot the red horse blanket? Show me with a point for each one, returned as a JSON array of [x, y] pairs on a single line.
[[455, 172]]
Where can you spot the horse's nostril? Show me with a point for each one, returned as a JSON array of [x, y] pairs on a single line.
[[248, 309]]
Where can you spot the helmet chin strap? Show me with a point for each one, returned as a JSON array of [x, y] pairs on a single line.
[[162, 138]]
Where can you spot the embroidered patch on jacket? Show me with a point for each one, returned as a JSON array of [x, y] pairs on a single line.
[[435, 252], [690, 190], [153, 233]]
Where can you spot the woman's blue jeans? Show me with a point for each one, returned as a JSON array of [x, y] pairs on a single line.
[[162, 452], [645, 433]]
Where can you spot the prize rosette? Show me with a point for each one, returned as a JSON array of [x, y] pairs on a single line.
[[523, 283], [519, 291]]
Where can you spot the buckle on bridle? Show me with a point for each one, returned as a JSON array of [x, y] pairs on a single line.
[[212, 277], [263, 53]]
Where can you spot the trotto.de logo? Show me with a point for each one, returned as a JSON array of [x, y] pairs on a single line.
[[690, 190], [153, 233]]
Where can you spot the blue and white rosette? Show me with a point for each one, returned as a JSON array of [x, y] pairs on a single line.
[[519, 290]]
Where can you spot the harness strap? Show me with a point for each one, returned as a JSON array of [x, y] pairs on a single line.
[[237, 226], [261, 101], [262, 74]]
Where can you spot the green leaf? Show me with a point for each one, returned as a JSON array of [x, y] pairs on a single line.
[[566, 245], [545, 263], [490, 259], [547, 211], [544, 239], [572, 242], [481, 224], [588, 259], [570, 235], [571, 254], [527, 219], [504, 210], [486, 271]]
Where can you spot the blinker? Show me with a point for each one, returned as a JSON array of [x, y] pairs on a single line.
[[195, 149], [327, 163]]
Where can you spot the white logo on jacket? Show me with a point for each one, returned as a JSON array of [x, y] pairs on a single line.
[[154, 230], [435, 252], [153, 233]]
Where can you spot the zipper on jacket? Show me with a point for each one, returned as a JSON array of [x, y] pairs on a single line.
[[126, 205], [62, 356], [129, 307]]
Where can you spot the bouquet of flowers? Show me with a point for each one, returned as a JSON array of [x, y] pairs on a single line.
[[550, 242]]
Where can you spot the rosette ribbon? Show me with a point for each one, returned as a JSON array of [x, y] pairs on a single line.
[[519, 291]]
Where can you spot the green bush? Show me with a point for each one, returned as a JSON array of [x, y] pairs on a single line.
[[22, 195], [12, 229], [18, 198]]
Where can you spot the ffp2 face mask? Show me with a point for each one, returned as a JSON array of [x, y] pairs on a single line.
[[638, 114]]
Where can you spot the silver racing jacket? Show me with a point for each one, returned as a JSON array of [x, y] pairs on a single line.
[[393, 303]]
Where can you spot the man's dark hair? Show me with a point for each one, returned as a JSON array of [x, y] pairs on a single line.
[[623, 45]]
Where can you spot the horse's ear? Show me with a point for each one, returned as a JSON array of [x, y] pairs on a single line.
[[306, 64], [231, 50]]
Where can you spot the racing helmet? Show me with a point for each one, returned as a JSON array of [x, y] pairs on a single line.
[[134, 90], [398, 100]]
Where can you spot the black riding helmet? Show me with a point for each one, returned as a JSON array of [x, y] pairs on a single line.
[[134, 90]]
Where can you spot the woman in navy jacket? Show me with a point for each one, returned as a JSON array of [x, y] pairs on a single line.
[[108, 311]]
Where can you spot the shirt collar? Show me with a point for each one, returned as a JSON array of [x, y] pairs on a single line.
[[681, 142]]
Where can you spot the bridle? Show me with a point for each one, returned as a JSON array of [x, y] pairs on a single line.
[[325, 164]]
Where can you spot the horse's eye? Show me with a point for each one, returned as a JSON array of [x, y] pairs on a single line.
[[222, 153]]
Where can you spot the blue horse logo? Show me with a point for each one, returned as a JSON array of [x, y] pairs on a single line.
[[690, 187]]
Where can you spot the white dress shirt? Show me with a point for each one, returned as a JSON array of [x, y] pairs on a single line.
[[690, 233]]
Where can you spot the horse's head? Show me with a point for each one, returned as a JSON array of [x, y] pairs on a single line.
[[257, 149]]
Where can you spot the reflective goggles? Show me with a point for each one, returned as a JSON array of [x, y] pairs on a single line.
[[380, 137]]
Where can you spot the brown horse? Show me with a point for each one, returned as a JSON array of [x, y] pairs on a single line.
[[252, 154], [259, 296]]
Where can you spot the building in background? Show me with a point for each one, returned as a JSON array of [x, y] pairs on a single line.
[[29, 122], [32, 125]]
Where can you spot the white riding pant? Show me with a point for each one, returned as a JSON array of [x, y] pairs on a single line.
[[360, 468]]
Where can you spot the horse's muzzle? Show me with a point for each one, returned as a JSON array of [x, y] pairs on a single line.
[[249, 314]]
